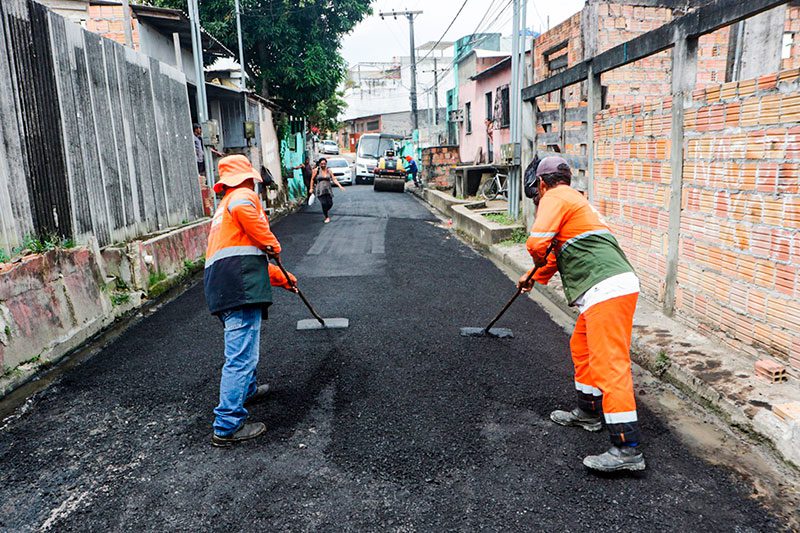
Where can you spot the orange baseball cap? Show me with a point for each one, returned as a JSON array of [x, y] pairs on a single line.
[[235, 170]]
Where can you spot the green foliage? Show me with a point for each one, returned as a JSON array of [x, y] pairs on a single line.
[[325, 115], [518, 236], [663, 362], [291, 46], [4, 257], [119, 298], [501, 218], [155, 278]]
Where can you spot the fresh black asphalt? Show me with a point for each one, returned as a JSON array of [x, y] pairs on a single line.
[[395, 424]]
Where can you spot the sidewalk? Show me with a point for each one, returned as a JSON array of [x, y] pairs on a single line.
[[717, 378]]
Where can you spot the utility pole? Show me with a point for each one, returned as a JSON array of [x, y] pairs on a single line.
[[242, 84], [410, 16], [126, 20], [202, 102], [435, 90], [515, 94]]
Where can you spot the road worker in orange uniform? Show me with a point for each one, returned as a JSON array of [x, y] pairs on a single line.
[[238, 283], [600, 282]]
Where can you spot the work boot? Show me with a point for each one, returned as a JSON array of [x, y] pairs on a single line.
[[615, 459], [259, 394], [577, 418], [246, 432]]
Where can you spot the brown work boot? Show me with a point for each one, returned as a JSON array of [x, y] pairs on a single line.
[[246, 432]]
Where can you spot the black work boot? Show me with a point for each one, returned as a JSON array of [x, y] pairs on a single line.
[[615, 459], [246, 432], [259, 394], [577, 418]]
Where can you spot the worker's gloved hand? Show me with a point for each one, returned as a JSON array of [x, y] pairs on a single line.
[[272, 254], [524, 283], [277, 279]]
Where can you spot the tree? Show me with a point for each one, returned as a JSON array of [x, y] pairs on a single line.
[[291, 47], [325, 114]]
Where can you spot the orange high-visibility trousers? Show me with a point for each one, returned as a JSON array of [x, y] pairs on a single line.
[[600, 346]]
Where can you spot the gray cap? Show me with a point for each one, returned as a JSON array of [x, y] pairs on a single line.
[[553, 165]]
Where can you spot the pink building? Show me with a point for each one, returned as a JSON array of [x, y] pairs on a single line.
[[482, 96]]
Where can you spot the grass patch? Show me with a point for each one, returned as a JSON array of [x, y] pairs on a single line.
[[501, 218], [663, 362], [156, 278], [518, 236], [119, 298]]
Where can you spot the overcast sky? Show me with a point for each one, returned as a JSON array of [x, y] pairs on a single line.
[[379, 40]]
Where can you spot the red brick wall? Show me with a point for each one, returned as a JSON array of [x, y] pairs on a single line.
[[109, 22], [569, 30], [740, 230], [646, 78], [437, 164], [793, 26], [712, 57], [632, 176]]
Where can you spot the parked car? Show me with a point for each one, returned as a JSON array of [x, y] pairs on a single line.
[[329, 147], [341, 169]]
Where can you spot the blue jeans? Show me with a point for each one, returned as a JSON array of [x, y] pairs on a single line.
[[242, 339]]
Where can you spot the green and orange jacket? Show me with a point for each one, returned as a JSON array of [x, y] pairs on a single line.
[[585, 251], [237, 271]]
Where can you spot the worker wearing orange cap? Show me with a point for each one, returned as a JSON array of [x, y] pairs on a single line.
[[238, 279], [600, 282]]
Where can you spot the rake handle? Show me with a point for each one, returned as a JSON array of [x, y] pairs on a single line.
[[299, 292], [516, 293]]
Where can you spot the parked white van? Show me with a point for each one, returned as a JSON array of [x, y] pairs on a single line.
[[370, 147]]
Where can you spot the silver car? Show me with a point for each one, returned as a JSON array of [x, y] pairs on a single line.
[[329, 147], [341, 170]]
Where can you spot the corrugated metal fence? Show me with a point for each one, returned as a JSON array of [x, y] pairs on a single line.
[[95, 138]]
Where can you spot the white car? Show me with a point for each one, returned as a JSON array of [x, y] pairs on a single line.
[[329, 147], [341, 170]]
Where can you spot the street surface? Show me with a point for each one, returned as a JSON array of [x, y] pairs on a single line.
[[395, 424]]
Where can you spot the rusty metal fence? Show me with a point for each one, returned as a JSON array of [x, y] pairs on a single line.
[[95, 138]]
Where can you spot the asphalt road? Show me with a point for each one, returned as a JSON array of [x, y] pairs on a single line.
[[396, 424]]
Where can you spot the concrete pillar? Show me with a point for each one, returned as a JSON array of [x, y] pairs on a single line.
[[528, 153], [684, 76], [594, 105], [761, 44]]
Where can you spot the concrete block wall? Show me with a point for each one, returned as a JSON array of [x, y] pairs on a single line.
[[632, 184], [437, 164], [740, 225]]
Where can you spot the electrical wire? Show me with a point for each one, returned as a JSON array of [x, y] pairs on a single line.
[[446, 30]]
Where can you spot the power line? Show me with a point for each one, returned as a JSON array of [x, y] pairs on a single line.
[[445, 31]]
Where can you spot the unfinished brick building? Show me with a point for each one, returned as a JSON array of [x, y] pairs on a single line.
[[692, 153]]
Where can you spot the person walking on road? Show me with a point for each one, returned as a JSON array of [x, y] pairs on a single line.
[[237, 281], [321, 184], [307, 171], [411, 168], [600, 282]]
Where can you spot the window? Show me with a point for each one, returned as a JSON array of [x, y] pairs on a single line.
[[505, 113], [373, 125], [489, 108], [468, 117], [788, 41]]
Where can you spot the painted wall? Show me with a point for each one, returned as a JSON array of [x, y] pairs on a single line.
[[474, 92]]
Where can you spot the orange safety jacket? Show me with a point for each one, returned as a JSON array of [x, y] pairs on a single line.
[[586, 252], [237, 271]]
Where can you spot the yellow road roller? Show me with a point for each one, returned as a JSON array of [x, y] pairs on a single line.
[[390, 173]]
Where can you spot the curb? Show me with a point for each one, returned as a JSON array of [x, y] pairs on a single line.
[[763, 427]]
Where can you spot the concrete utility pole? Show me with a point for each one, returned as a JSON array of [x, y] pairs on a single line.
[[435, 90], [202, 101], [241, 48], [515, 94], [410, 16]]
